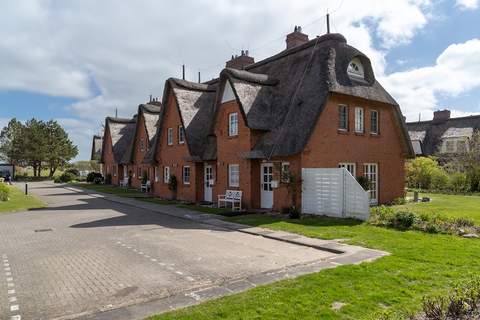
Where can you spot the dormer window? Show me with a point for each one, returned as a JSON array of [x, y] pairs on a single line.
[[355, 69]]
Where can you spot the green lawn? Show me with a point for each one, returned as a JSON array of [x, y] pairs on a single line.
[[419, 264], [448, 205], [19, 201]]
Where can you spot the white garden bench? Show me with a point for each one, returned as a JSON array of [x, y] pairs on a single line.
[[145, 187], [124, 182], [231, 196]]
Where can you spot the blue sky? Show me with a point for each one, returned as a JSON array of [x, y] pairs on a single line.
[[77, 61]]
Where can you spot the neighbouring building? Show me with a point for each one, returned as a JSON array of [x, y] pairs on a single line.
[[316, 104], [442, 136], [143, 137], [117, 138]]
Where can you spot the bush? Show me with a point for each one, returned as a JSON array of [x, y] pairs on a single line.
[[64, 178], [383, 216], [473, 178], [458, 182], [4, 192], [439, 179], [364, 182], [91, 176], [73, 171]]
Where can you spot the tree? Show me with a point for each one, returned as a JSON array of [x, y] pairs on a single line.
[[11, 142], [60, 148], [35, 145], [422, 171], [470, 161]]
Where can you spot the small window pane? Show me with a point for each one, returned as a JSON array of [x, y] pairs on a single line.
[[343, 117], [186, 175], [181, 134], [233, 124], [359, 120], [233, 175], [170, 136], [166, 174], [374, 122]]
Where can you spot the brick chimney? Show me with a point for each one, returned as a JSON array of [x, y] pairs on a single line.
[[441, 116], [296, 38], [239, 62]]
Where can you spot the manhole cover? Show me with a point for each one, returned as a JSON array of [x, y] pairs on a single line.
[[43, 230]]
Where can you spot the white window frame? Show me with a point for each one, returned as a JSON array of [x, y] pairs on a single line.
[[184, 175], [344, 107], [233, 124], [166, 174], [285, 173], [359, 120], [115, 170], [377, 131], [170, 136], [350, 166], [181, 134], [360, 73], [234, 175], [367, 172], [155, 173]]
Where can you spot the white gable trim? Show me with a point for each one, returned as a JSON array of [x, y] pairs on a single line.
[[228, 94]]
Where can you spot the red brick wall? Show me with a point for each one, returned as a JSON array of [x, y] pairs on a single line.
[[139, 153], [328, 147], [175, 156], [230, 150], [108, 158]]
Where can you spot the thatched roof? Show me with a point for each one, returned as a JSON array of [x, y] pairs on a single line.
[[121, 133], [96, 148], [435, 131], [195, 105], [284, 95], [150, 114]]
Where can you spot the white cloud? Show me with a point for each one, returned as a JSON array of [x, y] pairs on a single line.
[[467, 4], [112, 54], [455, 72]]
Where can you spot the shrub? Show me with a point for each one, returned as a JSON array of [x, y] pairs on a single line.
[[458, 182], [364, 182], [439, 179], [473, 178], [403, 220], [73, 171], [399, 201], [419, 172], [64, 178], [4, 192], [462, 303], [91, 176]]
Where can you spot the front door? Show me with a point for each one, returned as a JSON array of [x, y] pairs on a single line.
[[266, 193], [208, 179]]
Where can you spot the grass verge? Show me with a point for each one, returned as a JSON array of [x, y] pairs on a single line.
[[20, 202]]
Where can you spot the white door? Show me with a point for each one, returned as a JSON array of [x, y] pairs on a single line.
[[266, 193], [371, 173], [208, 179]]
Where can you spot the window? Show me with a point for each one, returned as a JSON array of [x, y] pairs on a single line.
[[142, 145], [359, 120], [343, 117], [114, 170], [355, 68], [350, 166], [233, 175], [228, 94], [374, 122], [181, 134], [233, 124], [370, 171], [285, 173], [166, 174], [186, 175], [155, 173], [139, 172], [170, 136]]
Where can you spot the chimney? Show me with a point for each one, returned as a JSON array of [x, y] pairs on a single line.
[[296, 38], [441, 116], [240, 62]]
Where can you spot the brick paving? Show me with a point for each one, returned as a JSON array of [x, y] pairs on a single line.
[[87, 256]]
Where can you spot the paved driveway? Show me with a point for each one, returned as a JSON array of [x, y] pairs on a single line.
[[84, 254]]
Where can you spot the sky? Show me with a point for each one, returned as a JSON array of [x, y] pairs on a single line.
[[78, 61]]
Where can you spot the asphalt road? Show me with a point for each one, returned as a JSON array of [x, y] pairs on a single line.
[[83, 255]]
